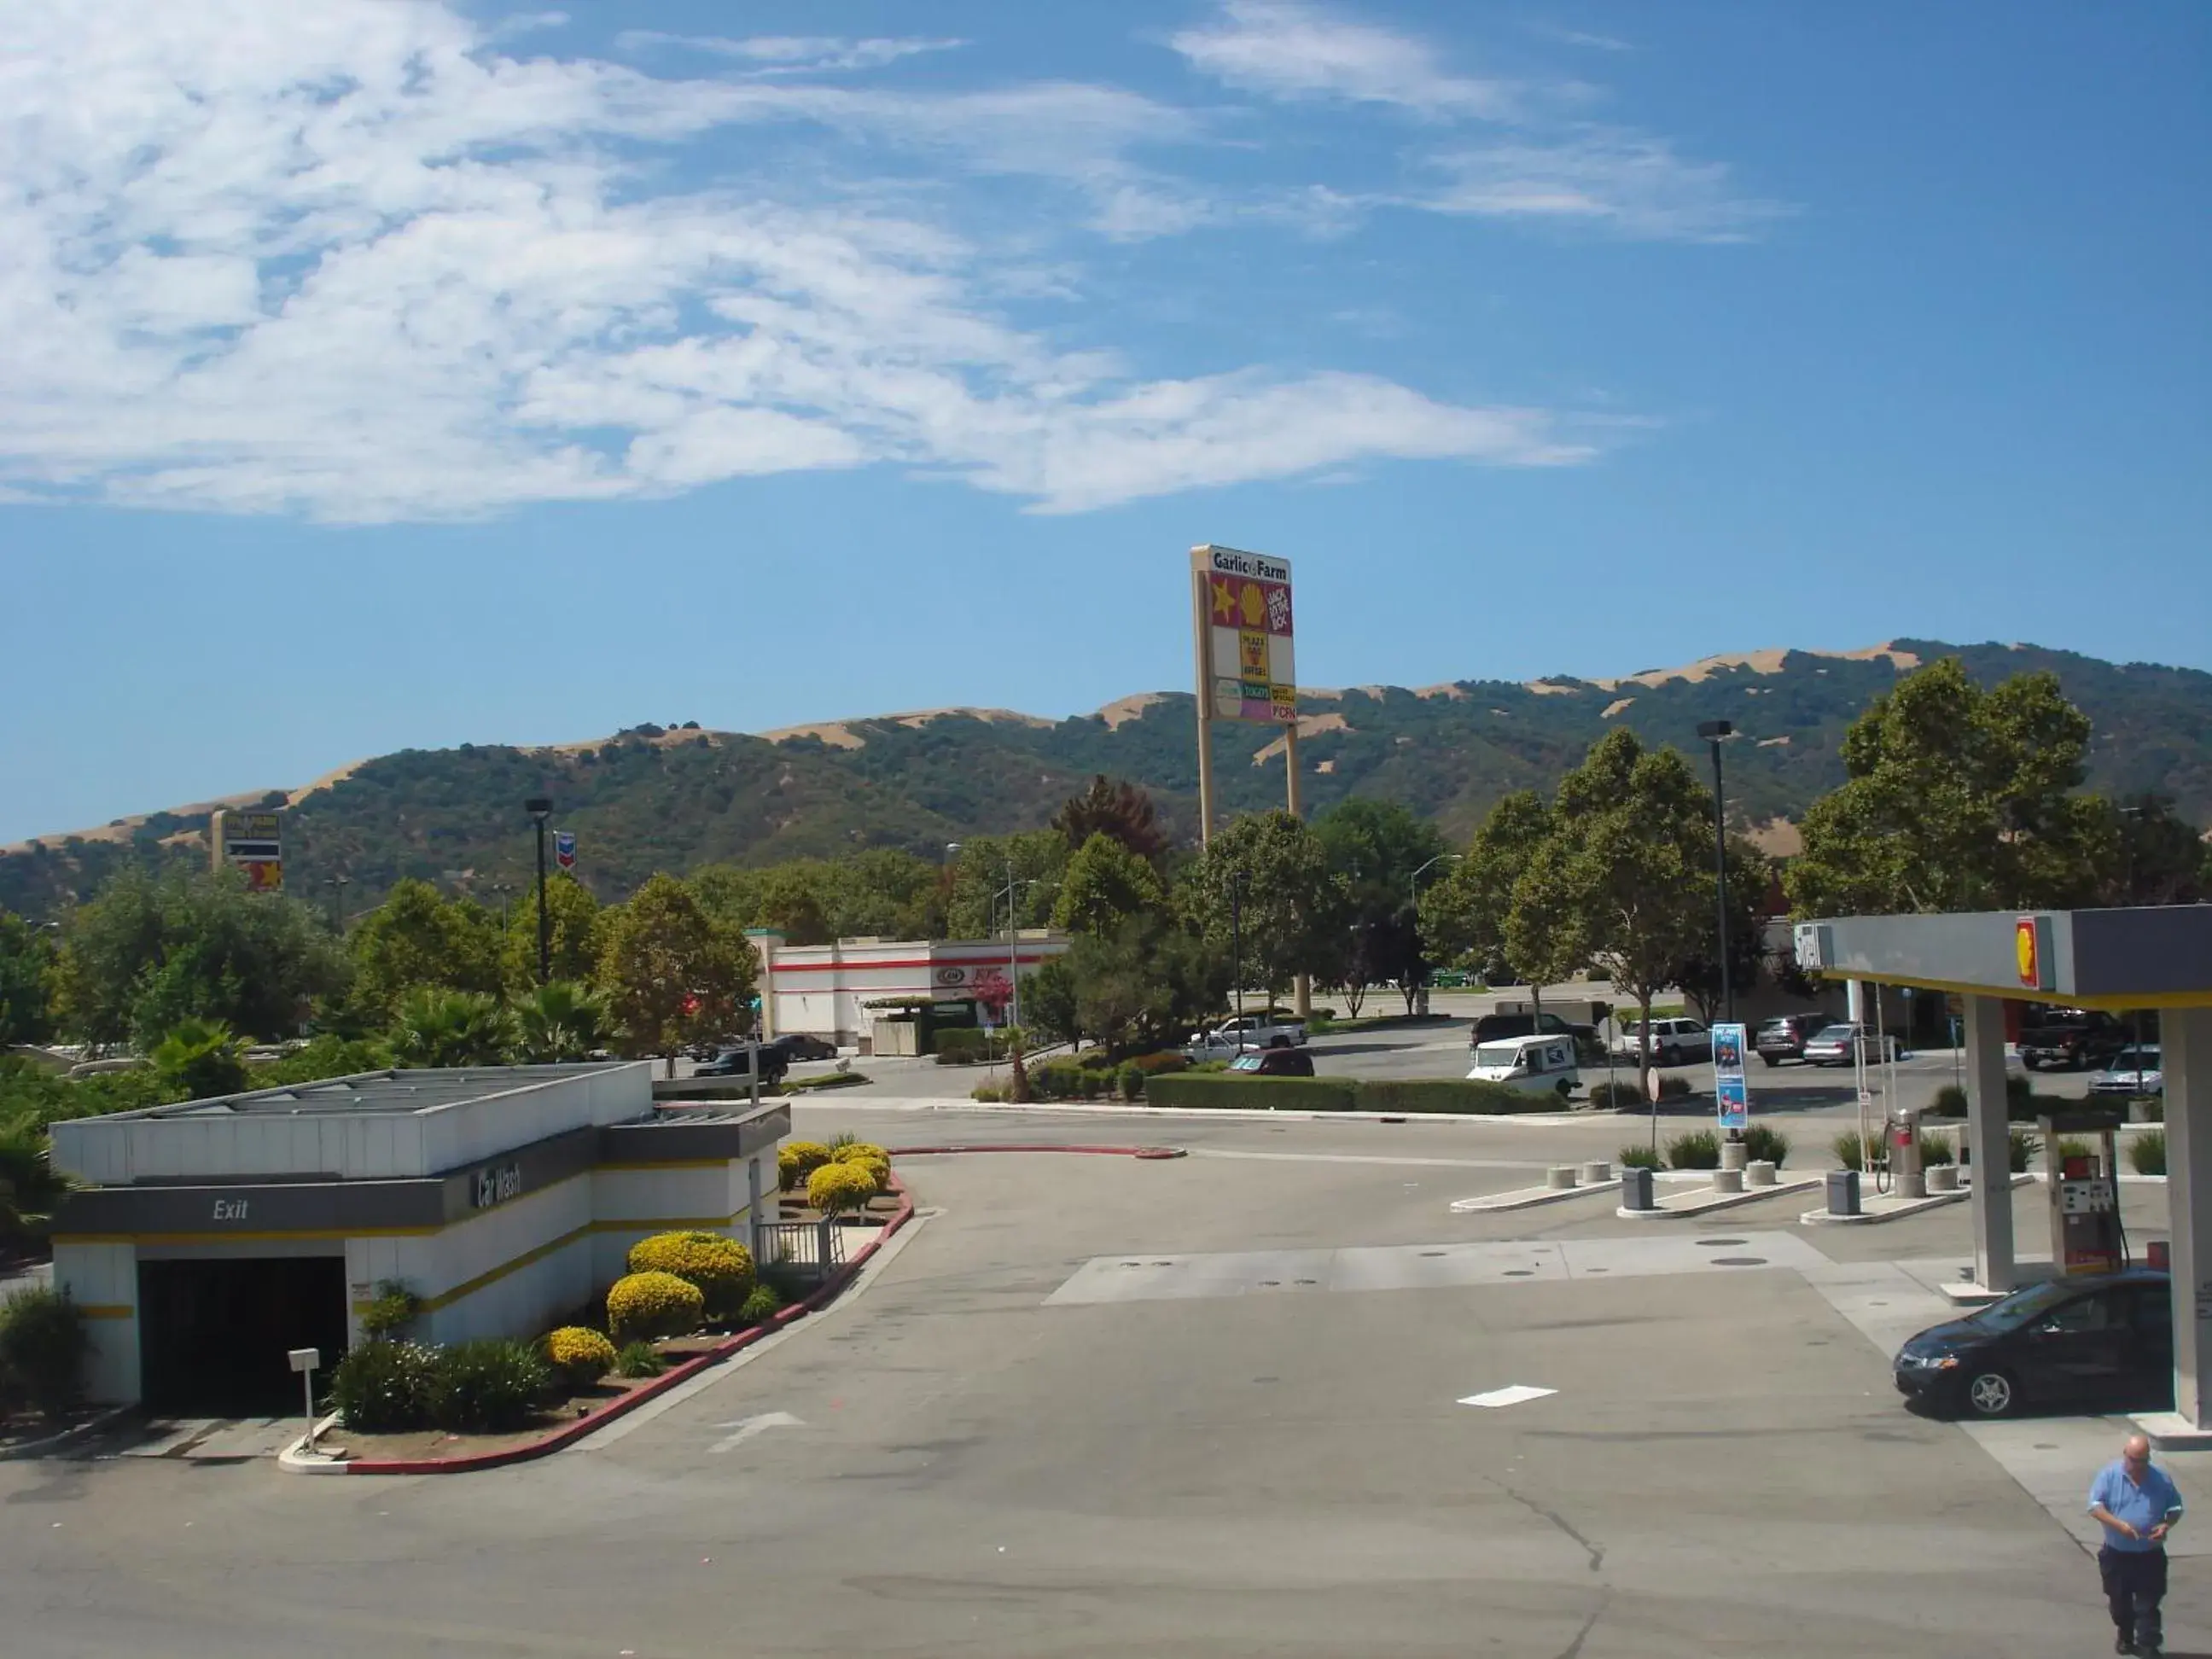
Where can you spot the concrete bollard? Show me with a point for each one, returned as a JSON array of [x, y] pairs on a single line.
[[1560, 1178], [1734, 1154], [1727, 1181], [1842, 1192], [1597, 1173], [1758, 1173], [1636, 1189], [1943, 1178], [1913, 1186]]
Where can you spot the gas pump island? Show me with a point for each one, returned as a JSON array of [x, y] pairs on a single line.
[[2117, 960]]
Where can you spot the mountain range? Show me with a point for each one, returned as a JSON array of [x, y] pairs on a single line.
[[675, 798]]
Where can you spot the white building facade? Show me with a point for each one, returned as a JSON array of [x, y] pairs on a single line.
[[209, 1238], [826, 990]]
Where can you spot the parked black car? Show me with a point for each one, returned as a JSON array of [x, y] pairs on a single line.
[[2072, 1037], [737, 1062], [804, 1045], [1784, 1037], [1273, 1062], [2099, 1344]]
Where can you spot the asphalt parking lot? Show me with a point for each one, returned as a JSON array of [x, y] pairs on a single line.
[[1009, 1444]]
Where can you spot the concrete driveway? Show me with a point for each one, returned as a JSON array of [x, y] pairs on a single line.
[[1213, 1407]]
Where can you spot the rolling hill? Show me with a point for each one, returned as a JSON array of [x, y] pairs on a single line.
[[652, 797]]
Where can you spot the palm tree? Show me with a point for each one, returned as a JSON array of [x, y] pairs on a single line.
[[200, 1058], [562, 1020], [30, 1187], [451, 1028]]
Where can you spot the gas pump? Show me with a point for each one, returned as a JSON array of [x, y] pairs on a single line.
[[2086, 1233], [1900, 1134]]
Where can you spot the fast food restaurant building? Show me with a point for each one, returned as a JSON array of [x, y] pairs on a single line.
[[211, 1237]]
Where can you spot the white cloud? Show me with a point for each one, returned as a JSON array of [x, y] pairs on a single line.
[[1538, 165], [350, 259], [1619, 181], [790, 54], [1295, 51]]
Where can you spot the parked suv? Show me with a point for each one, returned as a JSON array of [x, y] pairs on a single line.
[[1273, 1062], [2071, 1037], [1672, 1041], [735, 1062], [1784, 1037]]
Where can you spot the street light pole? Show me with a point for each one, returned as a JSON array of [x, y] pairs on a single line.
[[541, 809], [337, 884], [1713, 732], [1237, 949]]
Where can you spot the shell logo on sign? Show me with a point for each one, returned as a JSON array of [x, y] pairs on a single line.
[[2027, 952]]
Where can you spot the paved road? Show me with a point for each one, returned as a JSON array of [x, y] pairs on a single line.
[[985, 1452]]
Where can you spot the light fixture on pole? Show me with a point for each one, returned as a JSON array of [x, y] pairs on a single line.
[[541, 809], [1714, 732]]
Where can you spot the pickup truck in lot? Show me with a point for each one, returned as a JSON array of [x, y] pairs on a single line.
[[1244, 1033], [2072, 1037]]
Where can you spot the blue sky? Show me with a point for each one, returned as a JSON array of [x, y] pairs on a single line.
[[394, 374]]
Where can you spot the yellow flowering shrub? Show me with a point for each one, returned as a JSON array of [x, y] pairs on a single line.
[[797, 1159], [650, 1304], [581, 1355], [721, 1267], [837, 1187]]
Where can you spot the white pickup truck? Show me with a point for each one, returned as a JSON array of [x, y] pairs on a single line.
[[1244, 1033]]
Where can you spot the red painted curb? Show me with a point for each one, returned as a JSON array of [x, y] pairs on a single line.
[[1024, 1146], [569, 1433]]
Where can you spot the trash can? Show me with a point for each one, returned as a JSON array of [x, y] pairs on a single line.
[[1636, 1189], [1842, 1192]]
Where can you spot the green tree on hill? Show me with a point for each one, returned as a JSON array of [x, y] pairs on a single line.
[[27, 976], [1289, 908], [673, 973], [417, 940], [1374, 847], [1105, 884], [1116, 809], [577, 920], [1958, 799], [1463, 914], [150, 952]]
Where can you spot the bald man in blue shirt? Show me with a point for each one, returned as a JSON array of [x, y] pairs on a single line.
[[2137, 1506]]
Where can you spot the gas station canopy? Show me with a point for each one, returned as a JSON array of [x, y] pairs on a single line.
[[2155, 957]]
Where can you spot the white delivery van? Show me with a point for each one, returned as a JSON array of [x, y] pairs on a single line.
[[1534, 1064]]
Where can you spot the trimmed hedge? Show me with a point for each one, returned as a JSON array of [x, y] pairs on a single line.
[[795, 1160], [579, 1355], [382, 1386], [837, 1187], [489, 1386], [1223, 1091]]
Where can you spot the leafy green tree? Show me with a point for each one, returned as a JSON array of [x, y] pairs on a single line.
[[1376, 847], [880, 891], [27, 976], [1958, 799], [561, 1020], [199, 1059], [1624, 879], [2160, 857], [1106, 884], [417, 940], [325, 1055], [977, 906], [1048, 1001], [438, 1027], [673, 973], [1117, 808], [577, 920], [1463, 916], [1145, 984], [31, 1188], [150, 952], [1289, 907], [1750, 878]]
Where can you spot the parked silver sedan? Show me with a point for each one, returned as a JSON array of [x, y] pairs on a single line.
[[1832, 1045], [2135, 1070]]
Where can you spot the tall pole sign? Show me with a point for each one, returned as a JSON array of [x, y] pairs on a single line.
[[253, 843], [1242, 632], [1241, 626]]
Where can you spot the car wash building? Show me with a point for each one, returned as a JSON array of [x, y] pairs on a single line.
[[2117, 960], [210, 1238]]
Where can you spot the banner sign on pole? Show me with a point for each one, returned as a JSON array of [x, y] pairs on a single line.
[[1244, 642], [564, 848], [251, 843], [1730, 1090]]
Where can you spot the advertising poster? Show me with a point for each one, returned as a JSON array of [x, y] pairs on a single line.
[[1245, 639], [253, 843], [1731, 1089]]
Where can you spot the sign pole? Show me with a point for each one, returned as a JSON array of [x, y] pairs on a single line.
[[1302, 987], [1201, 646]]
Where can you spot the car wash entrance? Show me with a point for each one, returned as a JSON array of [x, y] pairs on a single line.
[[213, 1333]]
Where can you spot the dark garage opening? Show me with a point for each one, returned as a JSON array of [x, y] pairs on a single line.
[[214, 1336]]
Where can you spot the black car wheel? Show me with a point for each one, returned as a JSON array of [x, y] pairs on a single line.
[[1766, 1060], [2029, 1062], [1990, 1393]]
